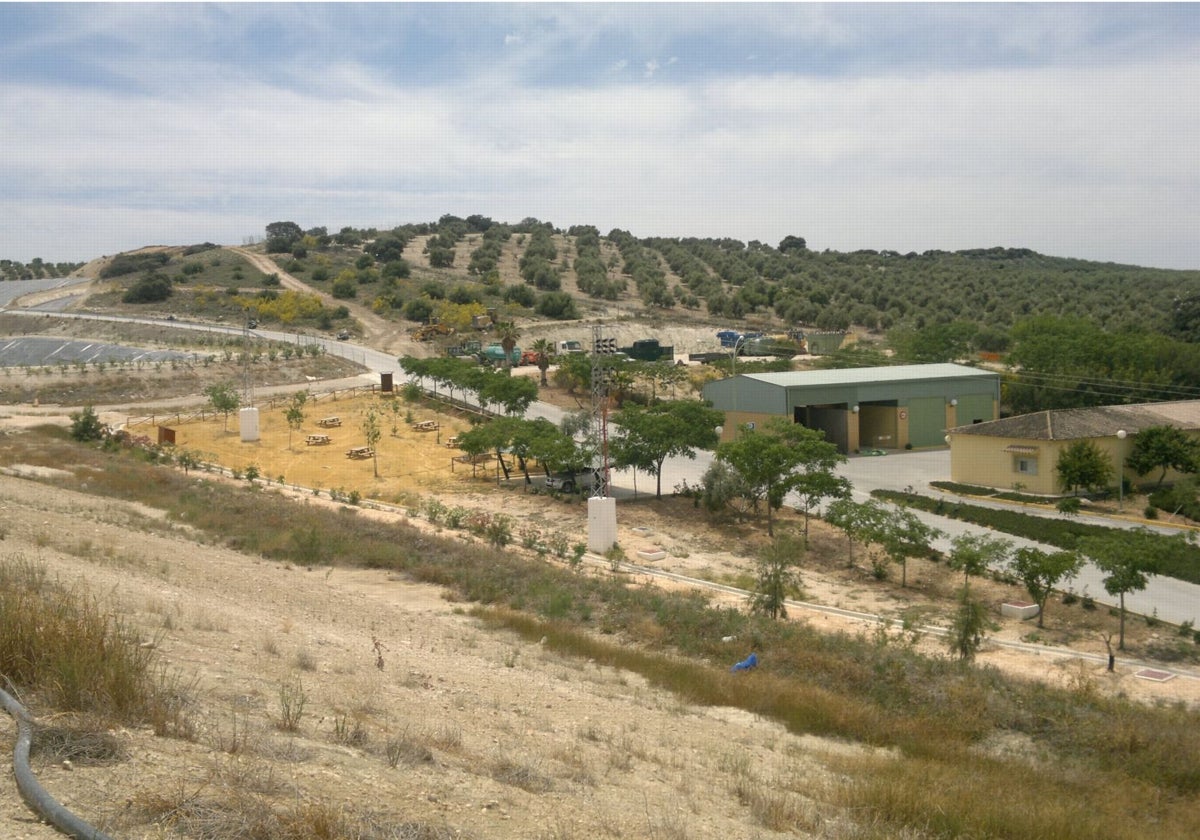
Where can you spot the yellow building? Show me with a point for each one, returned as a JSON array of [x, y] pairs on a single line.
[[1022, 452]]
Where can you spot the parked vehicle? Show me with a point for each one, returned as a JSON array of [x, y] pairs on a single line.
[[530, 357], [494, 354], [563, 348], [484, 322], [569, 482], [429, 331], [465, 348], [649, 350]]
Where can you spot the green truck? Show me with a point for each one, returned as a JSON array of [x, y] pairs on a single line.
[[493, 354], [649, 350]]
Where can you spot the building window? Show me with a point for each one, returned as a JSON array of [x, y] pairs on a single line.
[[1025, 466]]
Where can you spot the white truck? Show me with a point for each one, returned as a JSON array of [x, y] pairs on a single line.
[[563, 348]]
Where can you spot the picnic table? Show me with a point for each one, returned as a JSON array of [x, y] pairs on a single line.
[[329, 422], [452, 442], [426, 426], [317, 440], [360, 452]]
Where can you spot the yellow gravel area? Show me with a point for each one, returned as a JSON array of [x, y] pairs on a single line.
[[408, 461]]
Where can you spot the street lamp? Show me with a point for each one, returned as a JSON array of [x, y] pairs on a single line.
[[737, 345], [1121, 433]]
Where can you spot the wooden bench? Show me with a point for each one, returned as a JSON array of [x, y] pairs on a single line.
[[426, 426], [317, 440], [360, 452], [329, 422]]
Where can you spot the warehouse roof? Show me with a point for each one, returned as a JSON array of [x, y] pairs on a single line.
[[870, 375], [1101, 421]]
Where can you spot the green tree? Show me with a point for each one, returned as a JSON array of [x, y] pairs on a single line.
[[903, 535], [282, 236], [1041, 572], [372, 432], [513, 393], [294, 413], [770, 459], [776, 577], [1164, 448], [860, 521], [974, 554], [1083, 464], [649, 435], [1127, 558], [223, 398], [86, 425], [818, 482]]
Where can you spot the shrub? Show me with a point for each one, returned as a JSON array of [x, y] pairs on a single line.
[[557, 305], [86, 425], [153, 288]]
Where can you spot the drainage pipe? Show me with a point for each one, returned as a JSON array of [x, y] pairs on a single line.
[[36, 796]]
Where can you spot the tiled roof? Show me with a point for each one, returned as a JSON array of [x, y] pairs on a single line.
[[1102, 421]]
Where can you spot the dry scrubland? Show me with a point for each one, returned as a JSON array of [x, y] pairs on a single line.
[[324, 700], [330, 670]]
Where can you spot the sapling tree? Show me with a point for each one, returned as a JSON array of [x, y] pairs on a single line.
[[1040, 572], [860, 521], [901, 535], [223, 398], [776, 576], [974, 554], [1127, 558], [294, 413], [372, 434]]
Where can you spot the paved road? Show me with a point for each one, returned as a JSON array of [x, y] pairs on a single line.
[[1173, 600]]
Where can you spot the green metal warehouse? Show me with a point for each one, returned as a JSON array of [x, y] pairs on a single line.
[[901, 407]]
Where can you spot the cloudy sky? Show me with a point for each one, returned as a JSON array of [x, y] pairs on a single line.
[[1070, 129]]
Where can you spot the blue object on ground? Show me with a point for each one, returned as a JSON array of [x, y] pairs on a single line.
[[746, 664]]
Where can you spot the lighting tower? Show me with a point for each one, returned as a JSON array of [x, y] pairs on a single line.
[[603, 350]]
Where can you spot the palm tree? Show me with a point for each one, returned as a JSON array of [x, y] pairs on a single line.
[[543, 348], [508, 334]]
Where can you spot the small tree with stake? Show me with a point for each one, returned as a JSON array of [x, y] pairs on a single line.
[[294, 414], [372, 434], [1127, 558]]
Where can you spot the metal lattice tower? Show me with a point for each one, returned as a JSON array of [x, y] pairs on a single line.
[[602, 353]]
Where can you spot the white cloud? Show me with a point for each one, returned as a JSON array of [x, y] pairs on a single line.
[[1095, 163]]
